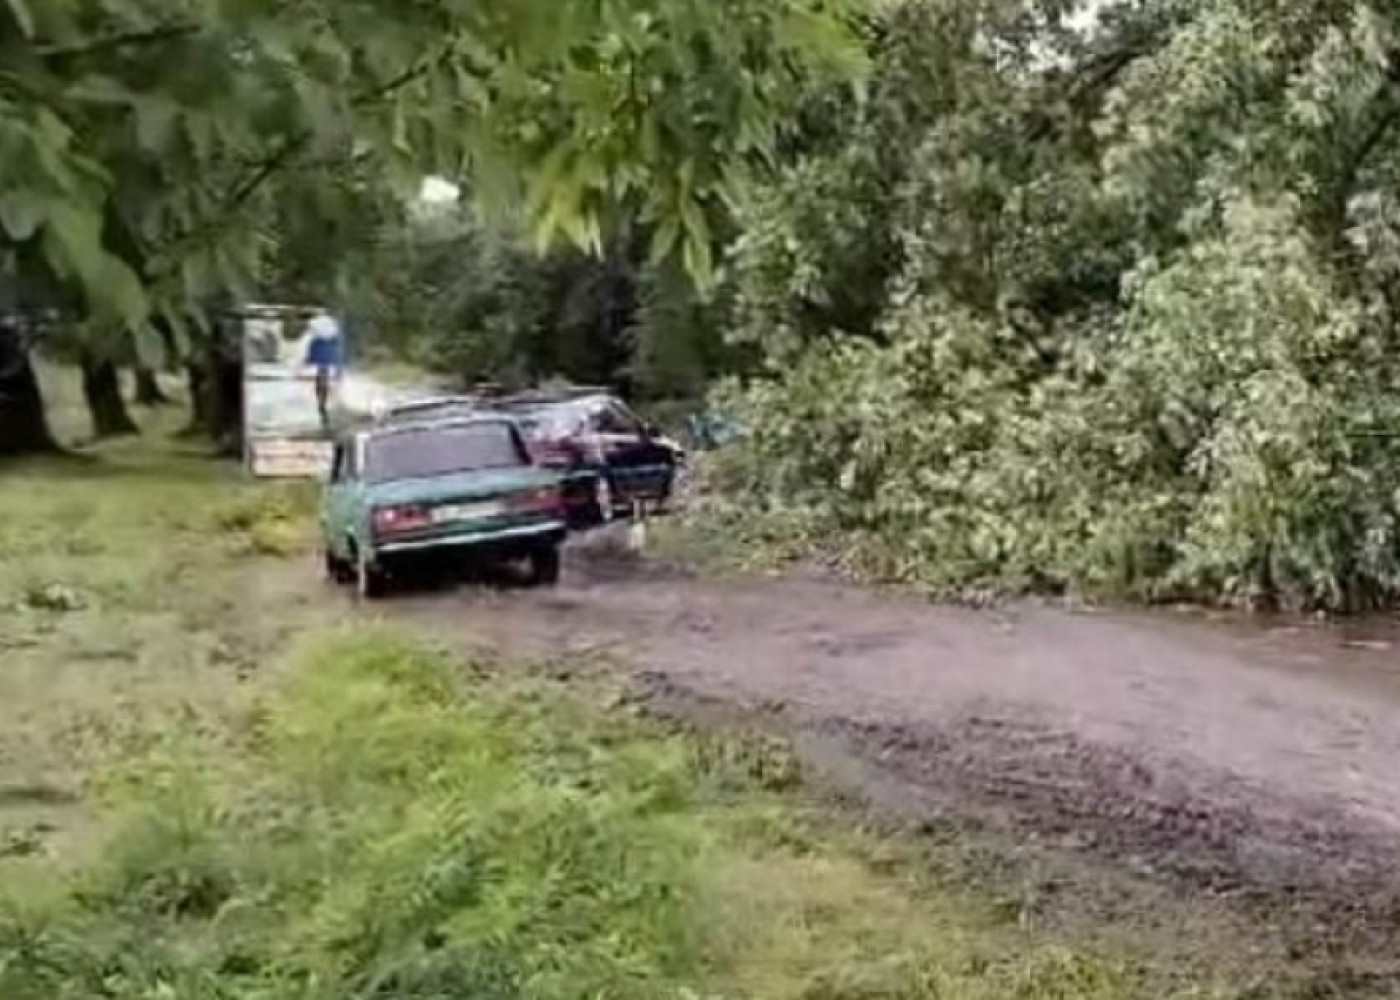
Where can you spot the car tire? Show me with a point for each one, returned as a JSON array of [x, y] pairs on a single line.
[[371, 583], [336, 569], [545, 565]]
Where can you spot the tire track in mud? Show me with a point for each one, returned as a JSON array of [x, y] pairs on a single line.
[[1258, 771]]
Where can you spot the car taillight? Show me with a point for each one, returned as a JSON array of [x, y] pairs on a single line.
[[547, 499], [388, 520]]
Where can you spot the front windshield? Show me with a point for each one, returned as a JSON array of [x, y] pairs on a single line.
[[440, 451]]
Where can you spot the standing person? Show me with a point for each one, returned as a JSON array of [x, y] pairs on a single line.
[[323, 352]]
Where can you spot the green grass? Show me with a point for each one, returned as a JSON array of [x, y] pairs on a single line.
[[392, 821], [216, 781], [134, 590]]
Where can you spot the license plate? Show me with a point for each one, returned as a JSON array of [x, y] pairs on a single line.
[[465, 511]]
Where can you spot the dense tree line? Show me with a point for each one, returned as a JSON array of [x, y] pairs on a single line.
[[458, 295]]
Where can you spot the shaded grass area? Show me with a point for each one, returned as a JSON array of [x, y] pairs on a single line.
[[139, 587], [215, 784]]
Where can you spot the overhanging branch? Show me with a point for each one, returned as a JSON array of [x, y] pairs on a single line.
[[108, 43], [239, 194], [1386, 120]]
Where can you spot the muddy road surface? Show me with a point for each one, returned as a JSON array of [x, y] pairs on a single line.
[[1257, 767]]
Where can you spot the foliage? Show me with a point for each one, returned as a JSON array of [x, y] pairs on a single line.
[[1129, 332], [463, 297], [148, 145], [456, 294]]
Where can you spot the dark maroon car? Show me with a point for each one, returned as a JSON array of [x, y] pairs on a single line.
[[612, 460]]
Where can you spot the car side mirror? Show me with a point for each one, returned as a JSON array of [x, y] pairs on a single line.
[[650, 430]]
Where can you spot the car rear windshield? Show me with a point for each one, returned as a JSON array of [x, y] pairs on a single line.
[[440, 451], [554, 420]]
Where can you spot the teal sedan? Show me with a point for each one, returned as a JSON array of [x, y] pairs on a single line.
[[464, 488]]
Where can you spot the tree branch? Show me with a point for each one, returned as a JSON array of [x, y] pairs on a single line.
[[1387, 118], [293, 146], [1331, 217], [95, 46], [1383, 123], [239, 194], [1101, 73]]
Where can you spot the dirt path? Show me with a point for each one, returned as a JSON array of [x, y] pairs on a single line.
[[1260, 765]]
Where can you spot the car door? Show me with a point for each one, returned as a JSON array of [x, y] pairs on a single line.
[[639, 467]]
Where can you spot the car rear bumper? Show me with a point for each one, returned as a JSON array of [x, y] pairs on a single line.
[[502, 540], [648, 482]]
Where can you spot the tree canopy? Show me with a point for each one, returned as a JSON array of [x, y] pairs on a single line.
[[144, 143]]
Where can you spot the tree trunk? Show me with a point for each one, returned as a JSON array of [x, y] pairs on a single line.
[[103, 392], [227, 412], [216, 402], [148, 390], [201, 406], [24, 429]]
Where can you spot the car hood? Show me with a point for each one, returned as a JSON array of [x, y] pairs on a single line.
[[461, 486]]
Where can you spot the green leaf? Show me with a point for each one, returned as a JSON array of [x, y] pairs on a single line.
[[73, 242], [665, 238], [101, 89], [123, 293], [22, 212], [74, 238], [23, 16], [155, 122], [150, 346]]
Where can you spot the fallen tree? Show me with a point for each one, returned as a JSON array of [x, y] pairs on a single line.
[[1126, 332]]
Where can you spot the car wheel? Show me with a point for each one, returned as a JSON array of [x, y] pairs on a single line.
[[336, 569], [545, 566], [370, 580]]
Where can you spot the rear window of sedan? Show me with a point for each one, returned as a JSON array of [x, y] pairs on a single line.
[[443, 450]]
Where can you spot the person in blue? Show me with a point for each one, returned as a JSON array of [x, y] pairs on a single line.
[[324, 352]]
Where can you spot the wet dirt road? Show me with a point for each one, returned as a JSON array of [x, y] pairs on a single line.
[[1245, 762]]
